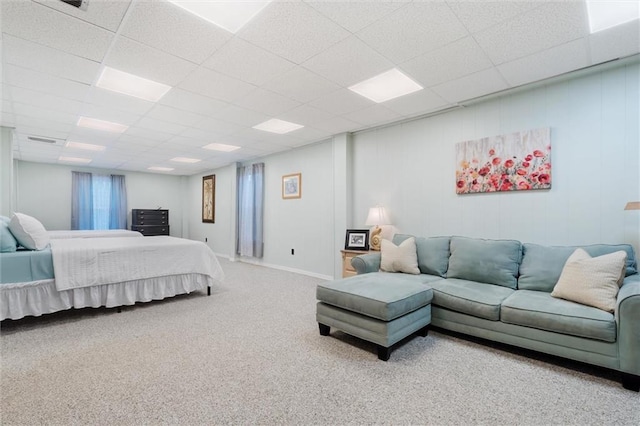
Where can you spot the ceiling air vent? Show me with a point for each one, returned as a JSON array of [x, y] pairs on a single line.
[[38, 139], [80, 4]]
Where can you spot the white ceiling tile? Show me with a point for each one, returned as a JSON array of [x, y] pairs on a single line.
[[616, 42], [54, 126], [306, 115], [146, 133], [7, 119], [452, 61], [47, 132], [216, 85], [134, 139], [160, 125], [416, 103], [104, 13], [205, 135], [109, 114], [267, 147], [337, 125], [86, 135], [549, 25], [355, 15], [266, 102], [246, 62], [46, 83], [374, 115], [356, 60], [250, 134], [301, 84], [172, 29], [113, 100], [173, 115], [545, 64], [43, 25], [40, 58], [341, 102], [32, 111], [412, 30], [215, 126], [471, 86], [241, 116], [188, 142], [301, 33], [477, 15], [144, 61], [193, 102], [311, 135], [45, 100]]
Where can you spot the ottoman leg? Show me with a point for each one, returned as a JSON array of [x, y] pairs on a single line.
[[324, 329], [424, 331], [384, 353]]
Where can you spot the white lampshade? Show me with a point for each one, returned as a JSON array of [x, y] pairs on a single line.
[[632, 205], [377, 216]]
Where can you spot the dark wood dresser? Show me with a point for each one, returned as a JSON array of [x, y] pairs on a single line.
[[150, 222]]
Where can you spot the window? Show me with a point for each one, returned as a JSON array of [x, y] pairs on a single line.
[[250, 210], [98, 201]]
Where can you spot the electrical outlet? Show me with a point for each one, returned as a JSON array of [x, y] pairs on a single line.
[[292, 252], [205, 239]]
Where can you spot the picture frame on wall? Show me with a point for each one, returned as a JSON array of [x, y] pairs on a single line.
[[292, 186], [357, 239], [209, 199]]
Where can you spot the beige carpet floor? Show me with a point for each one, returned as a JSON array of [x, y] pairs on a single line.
[[251, 354]]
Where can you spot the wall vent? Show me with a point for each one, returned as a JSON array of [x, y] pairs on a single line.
[[80, 4], [38, 139]]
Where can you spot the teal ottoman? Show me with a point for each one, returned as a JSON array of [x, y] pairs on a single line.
[[380, 307]]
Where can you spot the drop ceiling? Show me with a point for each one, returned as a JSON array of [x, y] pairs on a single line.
[[294, 61]]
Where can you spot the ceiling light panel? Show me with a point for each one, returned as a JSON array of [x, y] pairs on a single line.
[[386, 86], [607, 14], [106, 126], [229, 15], [132, 85], [160, 169], [221, 147], [75, 160], [185, 160], [85, 146], [278, 126]]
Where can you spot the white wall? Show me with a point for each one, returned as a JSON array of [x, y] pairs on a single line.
[[44, 191], [410, 168]]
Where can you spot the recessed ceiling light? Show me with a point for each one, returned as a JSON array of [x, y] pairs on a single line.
[[87, 146], [386, 86], [132, 85], [160, 169], [185, 160], [607, 14], [229, 15], [75, 159], [221, 147], [278, 126], [107, 126]]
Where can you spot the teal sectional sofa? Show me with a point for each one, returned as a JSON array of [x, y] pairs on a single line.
[[501, 290]]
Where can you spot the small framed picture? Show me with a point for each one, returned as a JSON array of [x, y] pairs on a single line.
[[209, 199], [357, 239], [292, 186]]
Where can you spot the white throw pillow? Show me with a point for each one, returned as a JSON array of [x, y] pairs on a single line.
[[402, 258], [592, 281], [29, 232]]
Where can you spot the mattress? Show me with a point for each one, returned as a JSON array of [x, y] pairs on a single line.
[[26, 266], [106, 233]]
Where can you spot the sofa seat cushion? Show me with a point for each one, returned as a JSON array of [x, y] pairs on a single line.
[[538, 309], [380, 295], [470, 297]]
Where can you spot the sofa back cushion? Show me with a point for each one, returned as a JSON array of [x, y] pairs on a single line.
[[542, 265], [433, 253], [487, 261]]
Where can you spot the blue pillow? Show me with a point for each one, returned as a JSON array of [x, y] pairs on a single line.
[[5, 219], [8, 242]]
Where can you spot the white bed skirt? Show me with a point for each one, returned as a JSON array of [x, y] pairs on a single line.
[[41, 297]]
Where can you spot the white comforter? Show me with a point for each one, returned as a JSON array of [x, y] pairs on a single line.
[[106, 233], [80, 262]]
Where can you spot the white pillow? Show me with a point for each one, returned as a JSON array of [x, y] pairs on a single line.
[[592, 281], [402, 258], [29, 232]]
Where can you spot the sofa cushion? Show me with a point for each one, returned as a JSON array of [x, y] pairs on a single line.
[[470, 297], [399, 258], [433, 253], [542, 265], [537, 309], [486, 261], [592, 281], [379, 295]]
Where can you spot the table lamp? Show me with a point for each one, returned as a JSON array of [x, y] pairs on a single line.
[[632, 205], [377, 216]]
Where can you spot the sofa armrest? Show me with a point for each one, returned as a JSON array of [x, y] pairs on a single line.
[[628, 320], [366, 263]]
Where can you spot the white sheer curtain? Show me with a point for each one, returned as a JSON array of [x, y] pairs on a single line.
[[118, 207], [250, 210], [81, 201]]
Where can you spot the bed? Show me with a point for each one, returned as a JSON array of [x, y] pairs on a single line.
[[106, 233], [110, 272]]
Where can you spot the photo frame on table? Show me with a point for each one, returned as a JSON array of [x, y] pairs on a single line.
[[357, 239], [292, 186], [209, 199]]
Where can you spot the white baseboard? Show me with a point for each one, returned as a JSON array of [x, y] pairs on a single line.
[[284, 268]]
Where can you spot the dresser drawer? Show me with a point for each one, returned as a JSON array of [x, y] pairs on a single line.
[[149, 230], [149, 217]]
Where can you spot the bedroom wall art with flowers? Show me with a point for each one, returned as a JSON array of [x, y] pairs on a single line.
[[511, 162]]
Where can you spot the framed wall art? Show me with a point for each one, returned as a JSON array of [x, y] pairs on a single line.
[[292, 186], [357, 239], [209, 199]]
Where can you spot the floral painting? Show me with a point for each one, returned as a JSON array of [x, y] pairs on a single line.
[[512, 162]]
